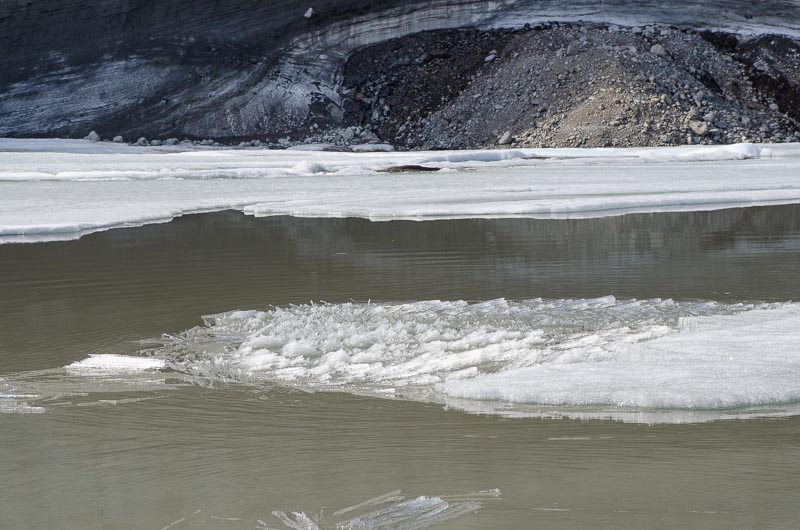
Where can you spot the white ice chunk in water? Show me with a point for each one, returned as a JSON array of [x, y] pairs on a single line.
[[635, 354], [108, 364]]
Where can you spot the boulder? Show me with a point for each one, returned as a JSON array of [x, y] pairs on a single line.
[[574, 47], [505, 139], [698, 96], [698, 127], [93, 137]]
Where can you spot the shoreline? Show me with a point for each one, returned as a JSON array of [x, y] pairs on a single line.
[[45, 188]]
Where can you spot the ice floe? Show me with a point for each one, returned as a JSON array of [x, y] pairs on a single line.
[[629, 356], [98, 380], [55, 190], [651, 361], [109, 364]]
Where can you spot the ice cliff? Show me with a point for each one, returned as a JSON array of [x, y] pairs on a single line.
[[244, 68]]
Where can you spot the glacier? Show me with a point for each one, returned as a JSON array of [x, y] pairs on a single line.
[[239, 68], [651, 361]]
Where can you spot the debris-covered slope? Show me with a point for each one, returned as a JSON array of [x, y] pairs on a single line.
[[246, 69], [575, 85]]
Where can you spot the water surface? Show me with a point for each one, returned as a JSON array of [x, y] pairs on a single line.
[[169, 451], [61, 301]]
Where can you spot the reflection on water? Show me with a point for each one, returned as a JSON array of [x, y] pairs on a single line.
[[63, 301]]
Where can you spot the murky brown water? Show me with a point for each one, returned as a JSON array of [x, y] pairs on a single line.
[[61, 301], [236, 453]]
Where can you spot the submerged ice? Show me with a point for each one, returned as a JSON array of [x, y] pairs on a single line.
[[649, 354], [393, 510]]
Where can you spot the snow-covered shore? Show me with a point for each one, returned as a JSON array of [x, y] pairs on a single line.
[[62, 189]]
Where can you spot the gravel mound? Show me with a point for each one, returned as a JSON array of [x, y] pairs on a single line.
[[567, 85]]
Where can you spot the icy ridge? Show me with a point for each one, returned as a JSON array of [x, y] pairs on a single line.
[[656, 354]]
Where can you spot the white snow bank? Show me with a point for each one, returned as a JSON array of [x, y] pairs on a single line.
[[48, 192], [78, 160], [311, 147], [308, 168], [372, 148], [57, 145], [108, 364], [634, 355]]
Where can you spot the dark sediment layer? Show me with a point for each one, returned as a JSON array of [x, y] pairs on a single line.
[[234, 70], [581, 86]]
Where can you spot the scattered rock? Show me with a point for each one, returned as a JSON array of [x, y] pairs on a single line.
[[574, 47], [698, 127], [408, 169], [309, 13], [565, 85]]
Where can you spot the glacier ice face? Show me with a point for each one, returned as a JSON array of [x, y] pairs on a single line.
[[239, 68]]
